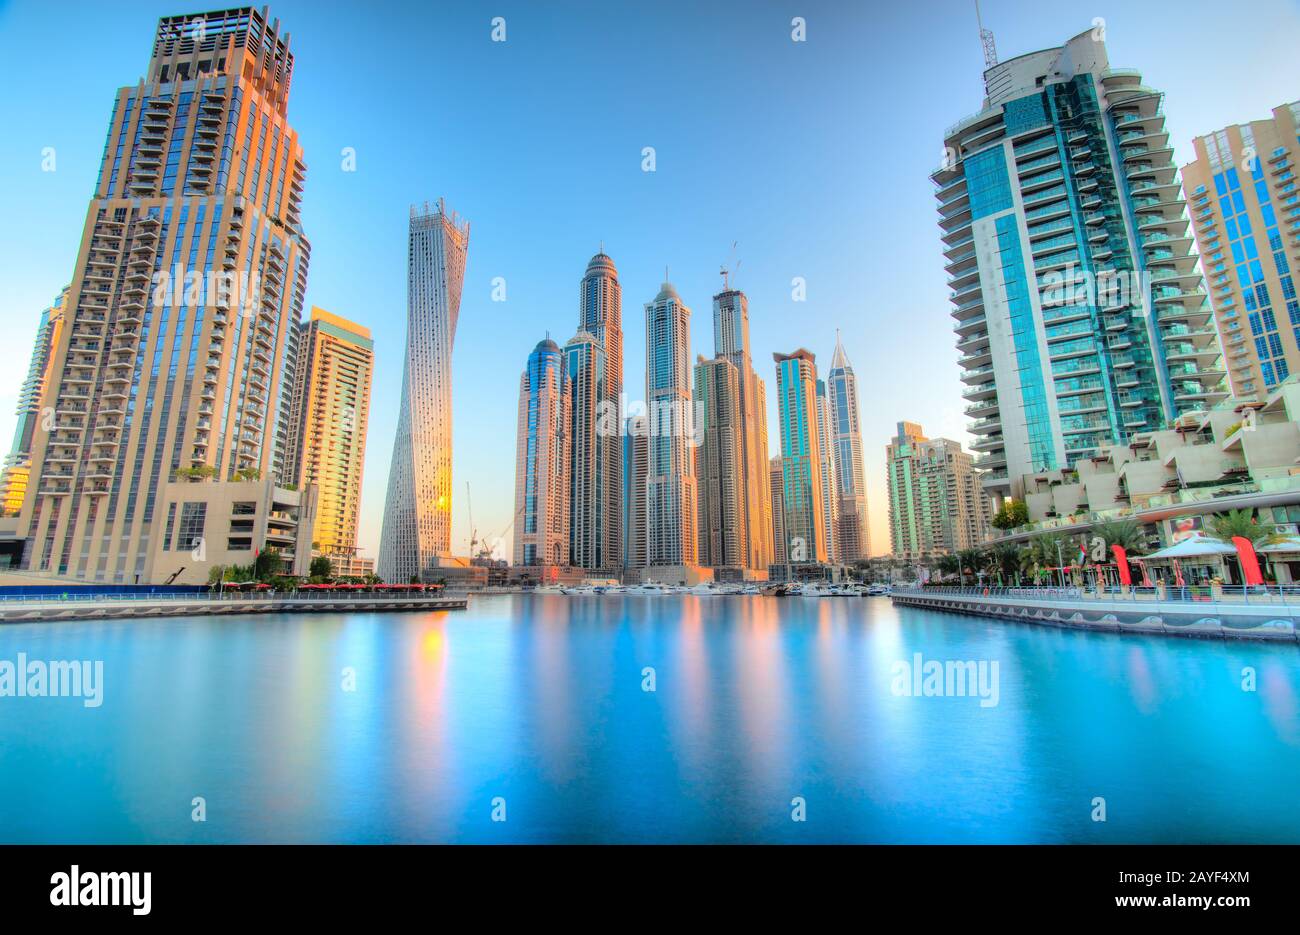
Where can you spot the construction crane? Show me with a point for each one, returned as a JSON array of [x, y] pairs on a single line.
[[735, 267], [486, 550], [501, 535], [986, 40], [473, 530]]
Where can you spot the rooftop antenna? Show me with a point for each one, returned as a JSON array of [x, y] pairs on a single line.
[[986, 40]]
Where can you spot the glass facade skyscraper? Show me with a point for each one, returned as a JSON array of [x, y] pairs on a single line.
[[417, 510], [670, 475], [852, 532], [543, 460], [799, 413], [830, 500], [595, 363], [18, 463], [1246, 210], [1081, 317]]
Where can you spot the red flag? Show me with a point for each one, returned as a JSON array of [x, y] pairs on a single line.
[[1249, 560], [1121, 564]]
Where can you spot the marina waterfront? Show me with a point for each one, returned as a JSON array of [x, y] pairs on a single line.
[[536, 709]]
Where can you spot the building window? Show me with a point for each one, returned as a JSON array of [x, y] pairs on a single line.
[[193, 516]]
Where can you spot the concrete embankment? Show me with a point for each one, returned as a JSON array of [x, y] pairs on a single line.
[[116, 608], [1262, 619]]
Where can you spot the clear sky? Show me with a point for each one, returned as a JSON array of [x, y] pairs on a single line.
[[813, 156]]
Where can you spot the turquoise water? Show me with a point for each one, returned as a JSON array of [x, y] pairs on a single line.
[[533, 706]]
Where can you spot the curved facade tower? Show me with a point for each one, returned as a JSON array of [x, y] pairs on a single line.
[[417, 512], [1079, 309], [596, 529], [852, 535]]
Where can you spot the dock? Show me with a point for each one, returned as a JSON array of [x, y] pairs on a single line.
[[119, 607], [1254, 617]]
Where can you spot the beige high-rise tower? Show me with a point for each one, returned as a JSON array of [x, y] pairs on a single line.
[[719, 474], [1241, 193], [331, 410], [937, 504], [187, 288], [731, 341]]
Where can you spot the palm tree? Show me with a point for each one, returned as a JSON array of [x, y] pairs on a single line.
[[1125, 533], [1226, 526], [1006, 558], [947, 565], [1049, 549], [973, 559]]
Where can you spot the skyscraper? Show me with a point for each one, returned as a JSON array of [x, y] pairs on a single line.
[[731, 341], [801, 458], [542, 464], [671, 542], [853, 534], [826, 449], [331, 411], [1079, 312], [636, 461], [937, 504], [586, 366], [189, 280], [18, 463], [1244, 207], [719, 476], [598, 515], [776, 487], [417, 511]]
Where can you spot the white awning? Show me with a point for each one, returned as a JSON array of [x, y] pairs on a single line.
[[1194, 547]]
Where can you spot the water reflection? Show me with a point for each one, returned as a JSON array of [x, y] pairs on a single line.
[[409, 727]]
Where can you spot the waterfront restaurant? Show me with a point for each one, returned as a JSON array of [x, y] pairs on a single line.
[[1195, 560]]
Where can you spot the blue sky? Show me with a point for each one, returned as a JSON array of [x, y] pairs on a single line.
[[813, 156]]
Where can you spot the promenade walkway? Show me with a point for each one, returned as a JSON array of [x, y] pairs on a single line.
[[1228, 613]]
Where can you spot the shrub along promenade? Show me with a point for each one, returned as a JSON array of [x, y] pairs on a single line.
[[1208, 612], [85, 604]]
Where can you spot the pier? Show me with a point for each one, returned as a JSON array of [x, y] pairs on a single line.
[[75, 606], [1241, 614]]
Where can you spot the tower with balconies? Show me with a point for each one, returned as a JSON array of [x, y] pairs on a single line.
[[1079, 311], [1241, 189], [176, 356]]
